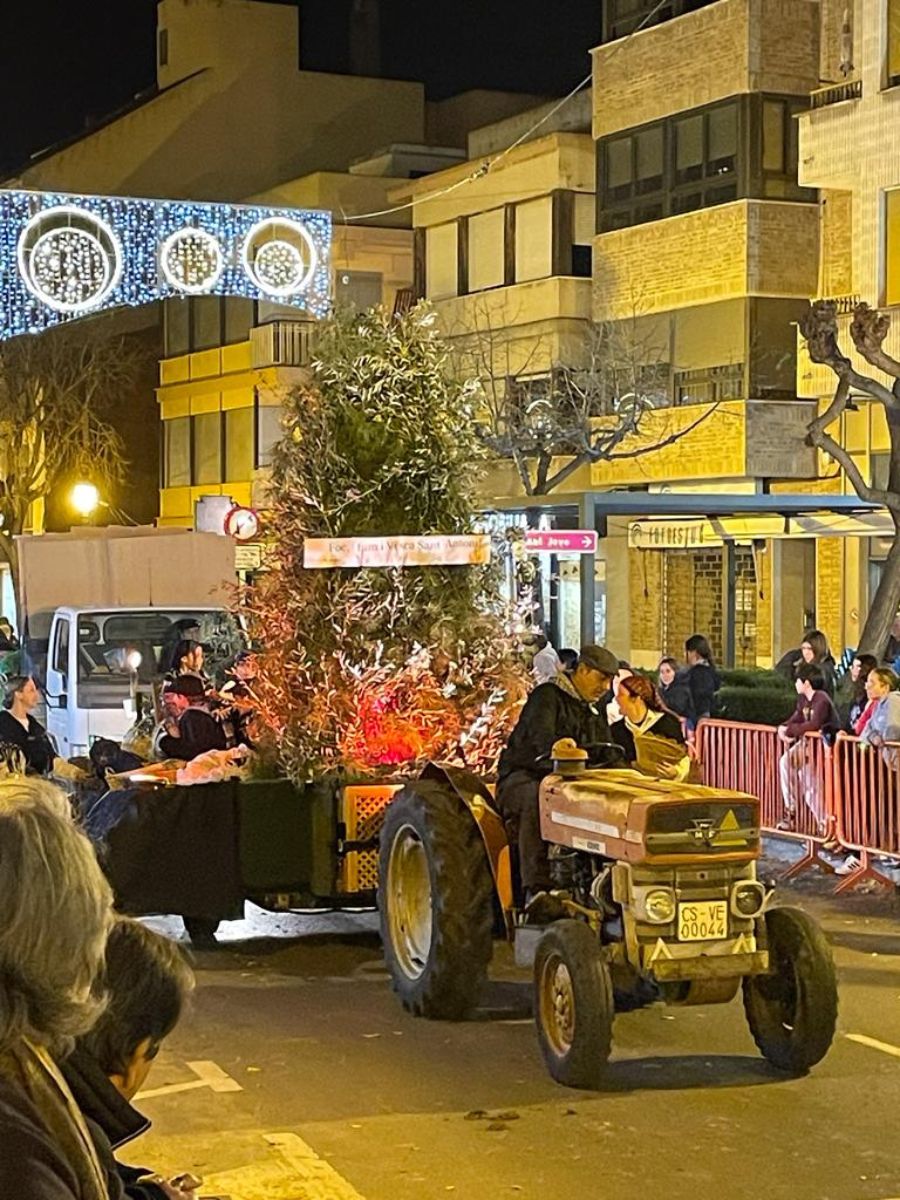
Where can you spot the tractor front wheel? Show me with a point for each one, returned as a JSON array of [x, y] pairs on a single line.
[[573, 1004], [435, 896], [792, 1012]]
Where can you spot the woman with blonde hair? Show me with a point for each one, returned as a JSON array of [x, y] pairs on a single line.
[[56, 914]]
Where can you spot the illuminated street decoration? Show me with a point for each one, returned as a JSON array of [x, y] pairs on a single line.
[[63, 257]]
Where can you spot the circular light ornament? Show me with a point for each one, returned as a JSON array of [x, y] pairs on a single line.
[[279, 256], [69, 259], [191, 260]]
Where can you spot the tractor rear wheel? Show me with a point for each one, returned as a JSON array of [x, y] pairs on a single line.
[[435, 897], [573, 1004], [792, 1012]]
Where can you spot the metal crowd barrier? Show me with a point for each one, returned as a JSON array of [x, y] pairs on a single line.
[[844, 796]]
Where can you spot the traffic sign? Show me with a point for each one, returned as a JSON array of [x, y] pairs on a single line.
[[562, 541]]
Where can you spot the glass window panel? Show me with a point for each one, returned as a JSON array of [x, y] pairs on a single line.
[[722, 135], [239, 449], [486, 250], [207, 322], [584, 218], [177, 452], [649, 159], [441, 268], [268, 432], [238, 319], [689, 148], [357, 290], [892, 249], [618, 164], [773, 136], [177, 326], [893, 55], [207, 448], [534, 239]]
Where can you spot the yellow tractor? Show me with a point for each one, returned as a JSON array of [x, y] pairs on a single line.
[[657, 899]]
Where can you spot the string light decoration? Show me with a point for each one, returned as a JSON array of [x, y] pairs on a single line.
[[63, 256]]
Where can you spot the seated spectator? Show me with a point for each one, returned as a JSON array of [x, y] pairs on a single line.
[[813, 652], [194, 730], [884, 724], [815, 713], [568, 660], [57, 911], [187, 659], [147, 981], [657, 739], [855, 706], [675, 692], [20, 728]]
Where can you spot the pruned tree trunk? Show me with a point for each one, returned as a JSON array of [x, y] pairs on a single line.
[[885, 604]]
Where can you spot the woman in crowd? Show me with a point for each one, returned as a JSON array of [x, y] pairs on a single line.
[[856, 707], [674, 691], [884, 723], [20, 728], [57, 911], [814, 652], [701, 676], [187, 659], [656, 735]]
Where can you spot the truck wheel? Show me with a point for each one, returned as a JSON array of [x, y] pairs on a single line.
[[435, 894], [792, 1013], [202, 931], [573, 1004]]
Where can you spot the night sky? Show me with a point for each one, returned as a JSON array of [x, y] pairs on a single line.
[[65, 62]]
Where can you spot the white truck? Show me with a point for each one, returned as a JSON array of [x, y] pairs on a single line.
[[100, 610]]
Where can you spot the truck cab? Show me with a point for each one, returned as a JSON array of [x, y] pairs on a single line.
[[98, 659]]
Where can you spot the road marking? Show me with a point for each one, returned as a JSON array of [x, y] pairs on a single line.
[[208, 1076], [884, 1047], [297, 1174]]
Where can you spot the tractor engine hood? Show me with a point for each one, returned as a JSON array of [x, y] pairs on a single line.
[[629, 817]]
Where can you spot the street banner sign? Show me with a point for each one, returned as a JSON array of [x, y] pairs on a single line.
[[440, 550], [562, 541]]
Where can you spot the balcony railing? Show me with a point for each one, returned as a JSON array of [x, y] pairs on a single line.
[[835, 93], [282, 343], [843, 305]]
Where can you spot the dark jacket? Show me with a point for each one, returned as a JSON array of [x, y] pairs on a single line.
[[33, 742], [817, 715], [552, 711], [41, 1155], [198, 731], [677, 697], [113, 1122], [703, 682]]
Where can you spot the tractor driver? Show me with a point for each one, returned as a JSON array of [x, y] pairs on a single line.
[[565, 707]]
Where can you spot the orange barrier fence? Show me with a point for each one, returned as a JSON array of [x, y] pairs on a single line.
[[847, 795]]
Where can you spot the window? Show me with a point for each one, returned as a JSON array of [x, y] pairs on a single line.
[[441, 265], [239, 447], [743, 147], [534, 239], [708, 385], [177, 452], [358, 290], [207, 323], [61, 654], [177, 326], [239, 319], [892, 247], [486, 250], [163, 53], [268, 432], [893, 42], [207, 448]]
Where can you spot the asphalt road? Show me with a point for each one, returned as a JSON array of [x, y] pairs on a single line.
[[297, 1076]]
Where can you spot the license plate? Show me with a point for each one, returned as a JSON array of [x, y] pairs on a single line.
[[703, 921]]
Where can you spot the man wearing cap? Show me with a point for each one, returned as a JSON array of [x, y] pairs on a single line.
[[565, 707], [194, 730]]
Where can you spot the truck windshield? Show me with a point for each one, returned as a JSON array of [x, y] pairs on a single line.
[[111, 645]]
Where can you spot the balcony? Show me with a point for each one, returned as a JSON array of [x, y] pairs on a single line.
[[282, 344], [836, 93]]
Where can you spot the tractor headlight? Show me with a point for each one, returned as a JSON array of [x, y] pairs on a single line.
[[659, 906], [748, 898]]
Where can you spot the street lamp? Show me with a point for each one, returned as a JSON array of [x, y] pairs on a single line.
[[85, 499]]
